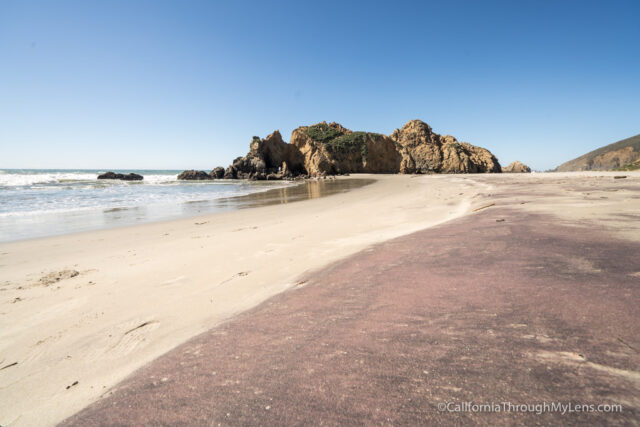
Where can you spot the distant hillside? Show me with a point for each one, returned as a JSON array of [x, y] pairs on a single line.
[[610, 157], [630, 167]]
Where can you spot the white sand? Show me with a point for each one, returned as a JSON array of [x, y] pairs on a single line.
[[180, 278]]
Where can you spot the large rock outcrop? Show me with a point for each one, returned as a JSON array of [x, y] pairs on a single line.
[[329, 148], [516, 167], [424, 151]]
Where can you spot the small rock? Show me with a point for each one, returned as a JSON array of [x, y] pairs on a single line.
[[516, 167], [120, 176]]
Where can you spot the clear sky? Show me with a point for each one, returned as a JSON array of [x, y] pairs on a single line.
[[186, 84]]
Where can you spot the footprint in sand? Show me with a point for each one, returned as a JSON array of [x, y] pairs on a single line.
[[56, 276]]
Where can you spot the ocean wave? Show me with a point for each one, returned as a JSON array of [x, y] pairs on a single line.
[[34, 200], [28, 179], [24, 179]]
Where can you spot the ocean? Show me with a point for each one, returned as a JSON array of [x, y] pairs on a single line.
[[44, 202]]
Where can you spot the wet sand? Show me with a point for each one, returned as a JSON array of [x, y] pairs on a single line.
[[307, 190]]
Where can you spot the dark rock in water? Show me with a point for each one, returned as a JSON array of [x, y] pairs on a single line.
[[193, 175], [217, 173], [110, 175], [132, 177], [124, 177]]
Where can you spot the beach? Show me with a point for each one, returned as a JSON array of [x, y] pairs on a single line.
[[280, 214], [80, 312]]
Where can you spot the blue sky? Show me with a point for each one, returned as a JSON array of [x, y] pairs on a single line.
[[186, 84]]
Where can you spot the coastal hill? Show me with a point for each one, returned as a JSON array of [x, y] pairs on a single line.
[[613, 156], [329, 148]]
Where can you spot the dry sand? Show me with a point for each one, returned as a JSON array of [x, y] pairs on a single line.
[[143, 290]]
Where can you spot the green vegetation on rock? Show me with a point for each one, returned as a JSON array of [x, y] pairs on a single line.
[[339, 142], [322, 132], [351, 142]]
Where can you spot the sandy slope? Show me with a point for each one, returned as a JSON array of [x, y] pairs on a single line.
[[143, 290]]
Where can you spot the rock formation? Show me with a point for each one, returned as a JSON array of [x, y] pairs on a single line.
[[217, 173], [123, 177], [270, 157], [516, 167], [193, 175], [424, 151], [329, 148]]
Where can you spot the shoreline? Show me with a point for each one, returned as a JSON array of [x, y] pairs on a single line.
[[142, 290], [51, 223]]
